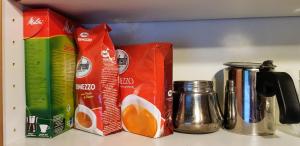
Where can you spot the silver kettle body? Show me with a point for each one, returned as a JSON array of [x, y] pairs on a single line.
[[252, 107], [196, 107]]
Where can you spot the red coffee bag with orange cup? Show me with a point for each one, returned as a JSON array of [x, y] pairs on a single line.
[[97, 85], [146, 88]]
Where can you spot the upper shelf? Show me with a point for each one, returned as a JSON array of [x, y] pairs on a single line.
[[95, 11]]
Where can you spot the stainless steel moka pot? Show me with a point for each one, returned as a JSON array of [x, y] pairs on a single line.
[[196, 109], [256, 86]]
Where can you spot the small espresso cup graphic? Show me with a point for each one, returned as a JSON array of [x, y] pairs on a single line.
[[138, 114], [85, 118], [44, 128]]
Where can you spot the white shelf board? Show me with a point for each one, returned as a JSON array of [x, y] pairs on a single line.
[[220, 138], [94, 11]]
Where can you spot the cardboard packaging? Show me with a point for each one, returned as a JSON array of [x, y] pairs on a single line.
[[49, 71]]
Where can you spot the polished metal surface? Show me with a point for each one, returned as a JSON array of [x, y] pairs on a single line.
[[255, 113], [198, 111], [248, 65], [230, 114], [195, 85], [256, 88]]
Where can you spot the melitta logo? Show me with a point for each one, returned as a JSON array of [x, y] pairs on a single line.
[[84, 34], [68, 28], [35, 21]]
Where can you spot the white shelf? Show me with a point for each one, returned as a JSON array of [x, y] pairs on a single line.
[[94, 11], [197, 49], [220, 138]]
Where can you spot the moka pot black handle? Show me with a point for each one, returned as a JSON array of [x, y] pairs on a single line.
[[281, 84]]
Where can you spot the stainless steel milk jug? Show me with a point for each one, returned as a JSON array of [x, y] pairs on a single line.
[[255, 87]]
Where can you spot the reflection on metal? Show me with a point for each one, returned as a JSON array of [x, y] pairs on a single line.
[[255, 113], [198, 111], [246, 94]]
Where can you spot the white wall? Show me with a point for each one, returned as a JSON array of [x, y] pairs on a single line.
[[13, 75]]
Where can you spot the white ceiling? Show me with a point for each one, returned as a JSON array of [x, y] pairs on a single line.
[[93, 11]]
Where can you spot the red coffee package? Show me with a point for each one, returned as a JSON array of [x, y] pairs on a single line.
[[97, 85], [146, 88]]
